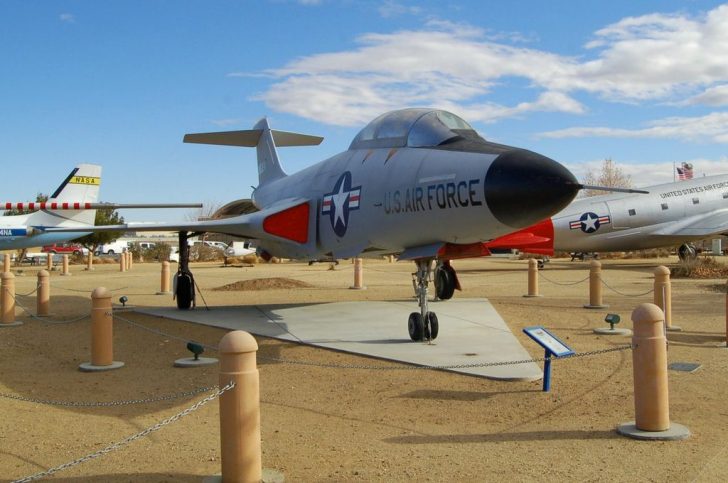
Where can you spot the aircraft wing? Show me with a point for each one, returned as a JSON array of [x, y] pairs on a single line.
[[288, 221], [706, 224]]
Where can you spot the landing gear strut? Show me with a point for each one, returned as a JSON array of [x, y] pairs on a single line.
[[687, 252], [184, 282], [422, 325]]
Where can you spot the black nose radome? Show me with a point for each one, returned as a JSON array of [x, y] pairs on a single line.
[[522, 188]]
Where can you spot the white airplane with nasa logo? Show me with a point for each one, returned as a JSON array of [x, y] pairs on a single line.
[[671, 214], [73, 205], [420, 183]]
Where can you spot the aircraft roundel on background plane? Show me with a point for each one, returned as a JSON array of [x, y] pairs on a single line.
[[420, 183], [671, 214]]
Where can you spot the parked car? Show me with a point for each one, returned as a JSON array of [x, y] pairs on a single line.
[[118, 246], [70, 248]]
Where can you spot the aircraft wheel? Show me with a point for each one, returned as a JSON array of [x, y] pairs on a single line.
[[445, 282], [433, 325], [184, 291], [416, 326], [687, 252]]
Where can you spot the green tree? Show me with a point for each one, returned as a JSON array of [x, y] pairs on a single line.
[[103, 218]]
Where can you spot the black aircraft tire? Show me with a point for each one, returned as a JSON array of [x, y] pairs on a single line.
[[184, 291], [687, 252], [444, 282], [416, 326], [433, 325]]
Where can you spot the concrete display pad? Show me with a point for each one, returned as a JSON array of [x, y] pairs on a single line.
[[192, 362], [608, 331], [471, 331]]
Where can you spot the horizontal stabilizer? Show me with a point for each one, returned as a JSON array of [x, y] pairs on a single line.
[[249, 138]]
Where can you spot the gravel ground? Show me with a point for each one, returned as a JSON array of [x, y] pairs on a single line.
[[323, 424]]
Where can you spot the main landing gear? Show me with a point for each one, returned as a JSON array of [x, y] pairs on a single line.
[[184, 282], [687, 252], [446, 280], [422, 325]]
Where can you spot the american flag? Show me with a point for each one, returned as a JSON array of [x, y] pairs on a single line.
[[685, 172]]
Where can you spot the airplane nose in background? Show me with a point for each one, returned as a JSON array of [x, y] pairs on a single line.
[[522, 188]]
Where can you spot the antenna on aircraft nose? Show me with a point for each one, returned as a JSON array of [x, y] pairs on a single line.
[[617, 190]]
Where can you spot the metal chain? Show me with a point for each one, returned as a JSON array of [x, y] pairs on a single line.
[[85, 291], [109, 403], [47, 321], [159, 332], [129, 439], [540, 272], [27, 294], [428, 367], [625, 294]]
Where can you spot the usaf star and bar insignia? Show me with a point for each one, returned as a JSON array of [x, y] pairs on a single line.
[[589, 222], [340, 202]]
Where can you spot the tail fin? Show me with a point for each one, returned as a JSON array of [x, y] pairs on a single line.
[[81, 186], [264, 139]]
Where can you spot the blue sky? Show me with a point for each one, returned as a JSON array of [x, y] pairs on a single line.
[[119, 83]]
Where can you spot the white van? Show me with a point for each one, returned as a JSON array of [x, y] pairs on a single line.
[[118, 246]]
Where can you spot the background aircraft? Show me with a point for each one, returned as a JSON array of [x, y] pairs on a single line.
[[72, 205], [671, 214], [420, 183]]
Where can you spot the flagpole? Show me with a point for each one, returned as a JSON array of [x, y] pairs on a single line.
[[674, 168]]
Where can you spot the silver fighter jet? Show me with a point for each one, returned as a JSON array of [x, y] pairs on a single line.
[[420, 183]]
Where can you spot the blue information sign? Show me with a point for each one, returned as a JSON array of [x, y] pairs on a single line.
[[552, 345]]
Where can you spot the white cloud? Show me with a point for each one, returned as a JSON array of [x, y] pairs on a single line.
[[67, 17], [674, 59], [711, 127], [447, 65], [392, 8]]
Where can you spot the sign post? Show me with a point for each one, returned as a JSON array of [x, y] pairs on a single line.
[[552, 345]]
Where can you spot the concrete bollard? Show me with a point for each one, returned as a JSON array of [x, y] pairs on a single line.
[[649, 360], [358, 275], [6, 263], [595, 286], [49, 261], [130, 260], [7, 300], [43, 300], [663, 295], [532, 278], [90, 261], [64, 271], [164, 287], [240, 409], [122, 262], [102, 334]]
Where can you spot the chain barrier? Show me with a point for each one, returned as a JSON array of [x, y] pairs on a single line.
[[44, 319], [37, 286], [540, 272], [625, 294], [84, 291], [130, 439], [85, 404], [428, 367], [159, 332]]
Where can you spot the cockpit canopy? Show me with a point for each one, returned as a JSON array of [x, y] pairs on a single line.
[[415, 128]]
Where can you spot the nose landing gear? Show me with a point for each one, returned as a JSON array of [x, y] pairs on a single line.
[[422, 325]]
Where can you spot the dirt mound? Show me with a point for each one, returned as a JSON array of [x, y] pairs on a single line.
[[263, 284]]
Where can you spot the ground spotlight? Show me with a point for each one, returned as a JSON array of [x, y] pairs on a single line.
[[612, 320], [196, 349], [123, 299]]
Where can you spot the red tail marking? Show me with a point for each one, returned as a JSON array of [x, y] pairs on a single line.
[[291, 224]]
